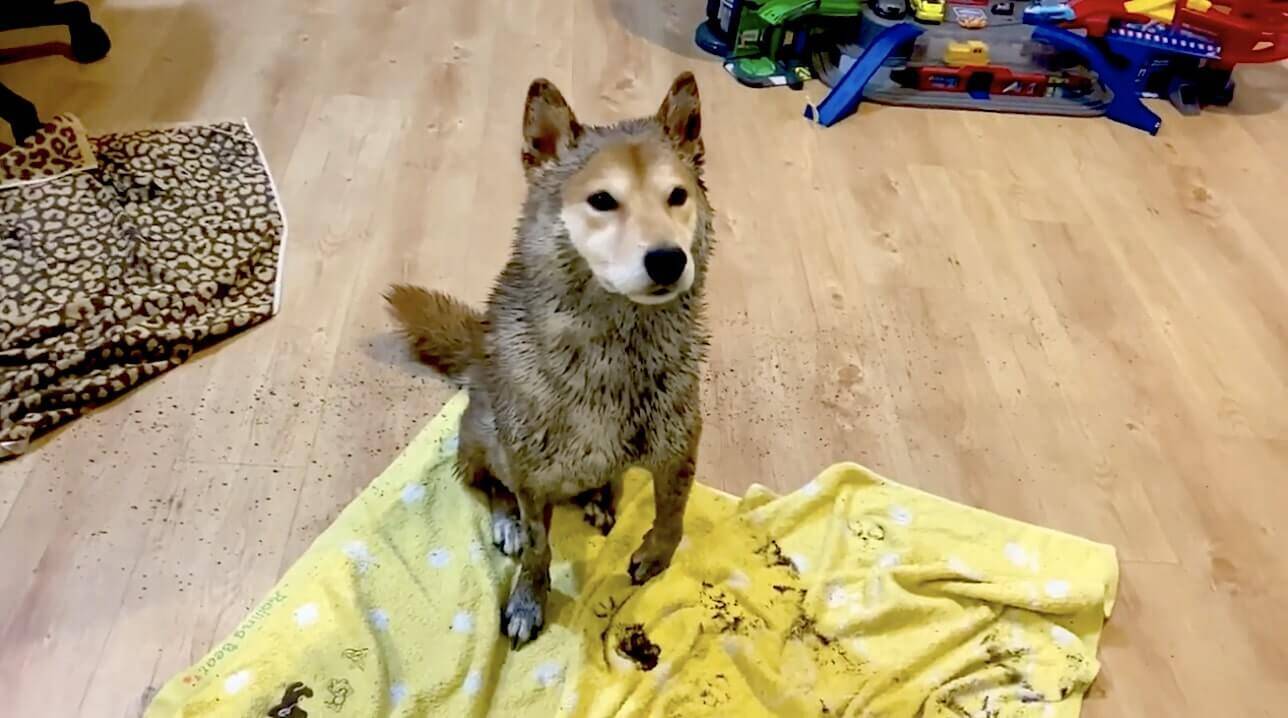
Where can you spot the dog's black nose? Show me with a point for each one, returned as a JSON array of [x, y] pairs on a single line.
[[665, 266]]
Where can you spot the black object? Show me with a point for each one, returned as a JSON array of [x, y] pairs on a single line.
[[889, 9], [905, 77], [665, 266], [89, 43], [715, 35], [290, 706], [1004, 8], [979, 84], [1215, 86]]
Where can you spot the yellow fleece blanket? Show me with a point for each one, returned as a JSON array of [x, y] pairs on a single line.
[[853, 596]]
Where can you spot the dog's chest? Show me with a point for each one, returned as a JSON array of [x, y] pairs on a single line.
[[597, 407]]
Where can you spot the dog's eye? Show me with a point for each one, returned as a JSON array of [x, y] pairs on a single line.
[[602, 201], [678, 197]]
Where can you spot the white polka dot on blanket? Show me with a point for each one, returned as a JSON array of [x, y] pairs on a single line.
[[306, 615], [549, 673], [439, 557], [462, 622], [360, 555], [837, 596], [413, 493], [800, 562], [1057, 588], [963, 569], [357, 551], [237, 681], [900, 515], [473, 683], [1063, 636], [1020, 556]]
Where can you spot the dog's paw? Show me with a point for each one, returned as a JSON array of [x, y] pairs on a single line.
[[597, 508], [600, 517], [645, 565], [524, 614], [508, 533]]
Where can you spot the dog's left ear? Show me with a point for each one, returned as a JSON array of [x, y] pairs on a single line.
[[549, 126], [681, 116]]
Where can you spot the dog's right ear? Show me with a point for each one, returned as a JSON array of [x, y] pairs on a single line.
[[681, 117], [549, 127]]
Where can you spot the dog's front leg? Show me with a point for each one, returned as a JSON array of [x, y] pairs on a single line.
[[670, 494], [525, 610]]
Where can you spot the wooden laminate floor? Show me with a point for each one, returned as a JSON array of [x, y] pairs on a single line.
[[1066, 321]]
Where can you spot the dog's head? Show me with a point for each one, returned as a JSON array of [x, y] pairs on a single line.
[[630, 196]]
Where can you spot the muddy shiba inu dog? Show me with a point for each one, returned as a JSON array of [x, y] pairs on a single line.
[[586, 361]]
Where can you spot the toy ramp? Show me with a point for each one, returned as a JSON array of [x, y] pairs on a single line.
[[844, 99]]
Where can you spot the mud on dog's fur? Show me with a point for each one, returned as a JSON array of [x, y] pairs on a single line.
[[586, 360]]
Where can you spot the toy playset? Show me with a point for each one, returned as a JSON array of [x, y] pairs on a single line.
[[1077, 58]]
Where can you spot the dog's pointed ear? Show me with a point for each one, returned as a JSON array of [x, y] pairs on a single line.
[[549, 127], [681, 116]]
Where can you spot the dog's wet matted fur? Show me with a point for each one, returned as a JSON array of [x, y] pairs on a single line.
[[586, 360]]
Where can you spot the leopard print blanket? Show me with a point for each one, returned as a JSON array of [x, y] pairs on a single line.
[[120, 256]]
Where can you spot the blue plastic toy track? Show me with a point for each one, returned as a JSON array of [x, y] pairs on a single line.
[[844, 98], [1125, 106]]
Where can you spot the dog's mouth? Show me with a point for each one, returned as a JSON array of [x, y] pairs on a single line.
[[656, 295]]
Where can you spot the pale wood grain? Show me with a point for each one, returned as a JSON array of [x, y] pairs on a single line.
[[1065, 321]]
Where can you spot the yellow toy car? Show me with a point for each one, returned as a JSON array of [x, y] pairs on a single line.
[[928, 10], [961, 54]]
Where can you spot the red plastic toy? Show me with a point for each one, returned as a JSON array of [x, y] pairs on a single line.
[[1248, 31]]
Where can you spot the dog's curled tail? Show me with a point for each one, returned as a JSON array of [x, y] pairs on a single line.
[[443, 332]]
